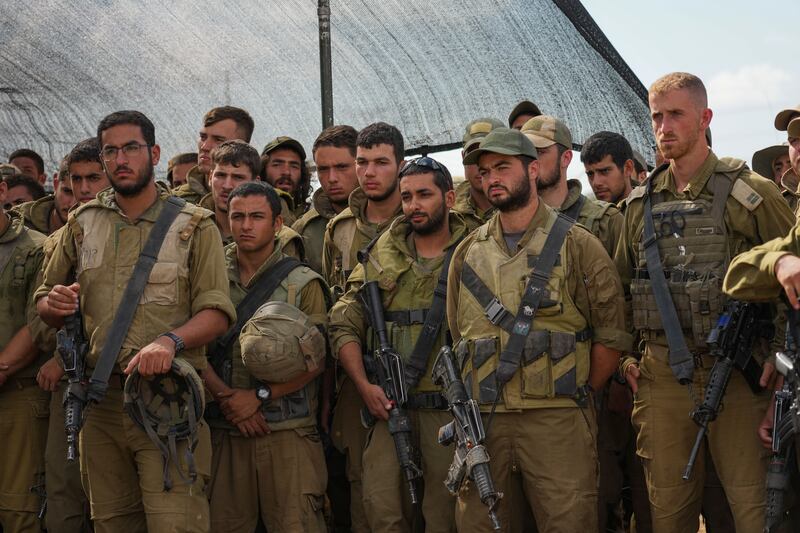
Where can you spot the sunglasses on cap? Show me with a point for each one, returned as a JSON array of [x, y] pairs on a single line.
[[426, 162]]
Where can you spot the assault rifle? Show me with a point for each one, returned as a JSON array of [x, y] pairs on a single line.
[[391, 378], [466, 429], [72, 347], [731, 342]]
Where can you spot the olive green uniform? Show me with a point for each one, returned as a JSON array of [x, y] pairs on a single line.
[[466, 207], [122, 467], [195, 188], [311, 226], [538, 429], [37, 213], [754, 212], [346, 234], [407, 285], [281, 476], [24, 406], [603, 219]]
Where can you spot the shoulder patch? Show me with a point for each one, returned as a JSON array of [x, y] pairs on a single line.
[[637, 192], [746, 195]]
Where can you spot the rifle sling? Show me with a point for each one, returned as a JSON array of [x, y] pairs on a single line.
[[266, 284], [98, 384], [574, 210]]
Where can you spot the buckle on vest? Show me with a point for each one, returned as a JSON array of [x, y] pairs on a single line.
[[495, 311]]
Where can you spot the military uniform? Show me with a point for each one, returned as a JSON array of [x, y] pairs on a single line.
[[37, 213], [466, 207], [603, 219], [697, 237], [281, 474], [24, 406], [311, 226], [195, 188], [122, 467], [538, 429], [346, 234], [407, 285]]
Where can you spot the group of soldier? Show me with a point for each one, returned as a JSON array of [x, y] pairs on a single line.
[[551, 301]]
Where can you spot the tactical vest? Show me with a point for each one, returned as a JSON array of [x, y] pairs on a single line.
[[591, 214], [693, 245], [555, 361], [298, 409], [107, 250]]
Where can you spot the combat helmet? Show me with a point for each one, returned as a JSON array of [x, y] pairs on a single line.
[[168, 407], [279, 342]]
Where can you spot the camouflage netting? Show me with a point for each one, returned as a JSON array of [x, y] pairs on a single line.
[[427, 67]]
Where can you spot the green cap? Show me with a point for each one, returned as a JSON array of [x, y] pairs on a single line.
[[545, 131], [793, 128], [284, 142], [502, 141], [525, 107], [783, 118], [762, 160], [478, 129]]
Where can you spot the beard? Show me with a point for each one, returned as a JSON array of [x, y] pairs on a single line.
[[380, 196], [544, 182], [518, 196], [143, 177], [678, 148], [432, 222]]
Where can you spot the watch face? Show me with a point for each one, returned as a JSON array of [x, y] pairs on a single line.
[[262, 394]]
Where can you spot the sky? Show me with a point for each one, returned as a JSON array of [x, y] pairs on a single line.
[[747, 54]]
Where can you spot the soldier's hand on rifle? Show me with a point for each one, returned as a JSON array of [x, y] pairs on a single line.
[[63, 300], [768, 376], [239, 404], [49, 375], [255, 426], [632, 377], [155, 358], [765, 427], [787, 271], [376, 401]]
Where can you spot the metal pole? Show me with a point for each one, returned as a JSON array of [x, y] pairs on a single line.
[[325, 74]]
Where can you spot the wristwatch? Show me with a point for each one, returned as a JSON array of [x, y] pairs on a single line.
[[179, 345], [264, 393]]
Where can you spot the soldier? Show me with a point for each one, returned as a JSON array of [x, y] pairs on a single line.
[[553, 142], [24, 406], [640, 164], [29, 163], [371, 208], [410, 261], [608, 160], [178, 168], [184, 306], [220, 124], [537, 386], [334, 154], [471, 203], [695, 194], [267, 455], [284, 167], [21, 189], [49, 213], [522, 113], [772, 162]]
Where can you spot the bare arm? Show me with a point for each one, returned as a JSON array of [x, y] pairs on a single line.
[[604, 361]]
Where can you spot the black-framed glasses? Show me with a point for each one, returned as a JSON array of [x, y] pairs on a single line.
[[130, 151], [426, 162]]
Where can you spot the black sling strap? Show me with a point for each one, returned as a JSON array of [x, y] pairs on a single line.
[[255, 298], [574, 210], [518, 327], [98, 384], [418, 361]]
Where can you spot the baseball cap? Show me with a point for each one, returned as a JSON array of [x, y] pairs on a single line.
[[545, 131], [502, 141], [525, 107], [284, 142], [478, 129], [762, 160], [793, 128], [180, 159], [783, 118], [7, 170]]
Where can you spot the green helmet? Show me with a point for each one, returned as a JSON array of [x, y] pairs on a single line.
[[279, 342], [168, 407]]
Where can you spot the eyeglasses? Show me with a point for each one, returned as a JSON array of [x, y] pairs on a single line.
[[426, 162], [130, 151]]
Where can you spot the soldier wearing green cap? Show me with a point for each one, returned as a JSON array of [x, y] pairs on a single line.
[[553, 142], [284, 167], [471, 203], [536, 314], [522, 113]]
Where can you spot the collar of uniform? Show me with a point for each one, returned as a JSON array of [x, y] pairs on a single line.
[[207, 202], [464, 198], [37, 213], [539, 220], [322, 204], [666, 181], [358, 206], [14, 228], [400, 233], [574, 191], [233, 264], [107, 199], [197, 181]]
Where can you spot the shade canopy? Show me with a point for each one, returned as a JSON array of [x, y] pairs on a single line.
[[426, 67]]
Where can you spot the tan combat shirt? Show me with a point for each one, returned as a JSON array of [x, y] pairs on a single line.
[[311, 226], [466, 207]]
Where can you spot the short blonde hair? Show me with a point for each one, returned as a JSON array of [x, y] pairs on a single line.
[[681, 80]]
